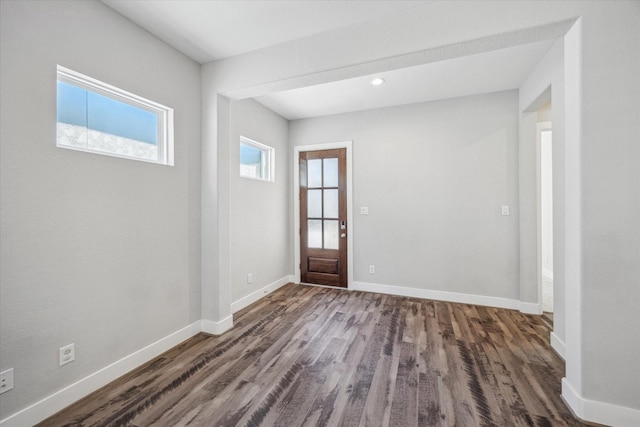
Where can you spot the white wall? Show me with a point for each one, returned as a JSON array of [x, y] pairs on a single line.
[[98, 251], [260, 214], [434, 177]]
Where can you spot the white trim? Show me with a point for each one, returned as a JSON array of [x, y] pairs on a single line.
[[548, 274], [255, 296], [216, 328], [598, 412], [541, 271], [61, 399], [437, 295], [530, 307], [557, 344], [322, 286], [296, 203]]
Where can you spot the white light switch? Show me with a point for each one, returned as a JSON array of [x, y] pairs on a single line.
[[364, 210], [505, 210]]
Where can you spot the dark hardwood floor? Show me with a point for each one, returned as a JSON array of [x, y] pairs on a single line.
[[327, 357]]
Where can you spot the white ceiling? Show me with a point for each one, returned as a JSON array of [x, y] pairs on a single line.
[[211, 30], [493, 71], [207, 30]]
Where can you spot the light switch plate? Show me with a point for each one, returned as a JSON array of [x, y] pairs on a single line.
[[505, 210], [364, 210]]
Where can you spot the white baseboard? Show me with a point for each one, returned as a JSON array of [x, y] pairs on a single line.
[[529, 307], [61, 399], [557, 344], [255, 296], [599, 412], [438, 295], [216, 328]]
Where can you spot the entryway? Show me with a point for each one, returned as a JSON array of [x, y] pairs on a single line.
[[322, 212], [545, 173]]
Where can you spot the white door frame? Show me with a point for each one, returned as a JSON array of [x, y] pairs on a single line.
[[296, 203], [540, 127]]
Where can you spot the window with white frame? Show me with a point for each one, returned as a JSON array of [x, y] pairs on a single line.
[[99, 118], [256, 160]]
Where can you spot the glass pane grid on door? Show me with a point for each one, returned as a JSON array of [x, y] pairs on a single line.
[[323, 204]]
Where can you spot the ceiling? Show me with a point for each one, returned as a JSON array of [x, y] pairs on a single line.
[[208, 30], [212, 30], [493, 71]]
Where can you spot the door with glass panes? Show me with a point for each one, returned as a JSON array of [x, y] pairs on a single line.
[[323, 217]]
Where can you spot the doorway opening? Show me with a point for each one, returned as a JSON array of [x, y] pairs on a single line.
[[544, 139]]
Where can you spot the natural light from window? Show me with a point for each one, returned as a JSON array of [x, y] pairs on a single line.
[[256, 160], [95, 117]]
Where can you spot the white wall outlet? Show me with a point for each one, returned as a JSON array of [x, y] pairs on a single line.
[[67, 354], [6, 380], [372, 269], [505, 210], [250, 278], [364, 210]]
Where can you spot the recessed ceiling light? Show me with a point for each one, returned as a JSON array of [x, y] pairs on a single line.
[[377, 81]]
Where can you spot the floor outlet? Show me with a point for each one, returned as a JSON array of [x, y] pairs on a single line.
[[67, 354], [6, 380]]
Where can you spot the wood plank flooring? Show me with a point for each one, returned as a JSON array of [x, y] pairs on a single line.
[[311, 356]]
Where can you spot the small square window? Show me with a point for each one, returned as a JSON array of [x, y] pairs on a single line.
[[99, 118], [256, 160]]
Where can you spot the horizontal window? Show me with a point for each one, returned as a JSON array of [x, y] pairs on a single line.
[[256, 160], [99, 118]]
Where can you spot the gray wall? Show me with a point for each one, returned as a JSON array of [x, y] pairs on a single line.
[[611, 204], [259, 210], [95, 250], [73, 268], [604, 196], [434, 176]]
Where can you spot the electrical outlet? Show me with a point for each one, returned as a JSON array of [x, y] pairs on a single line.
[[505, 210], [67, 354], [250, 278], [372, 269], [6, 380]]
